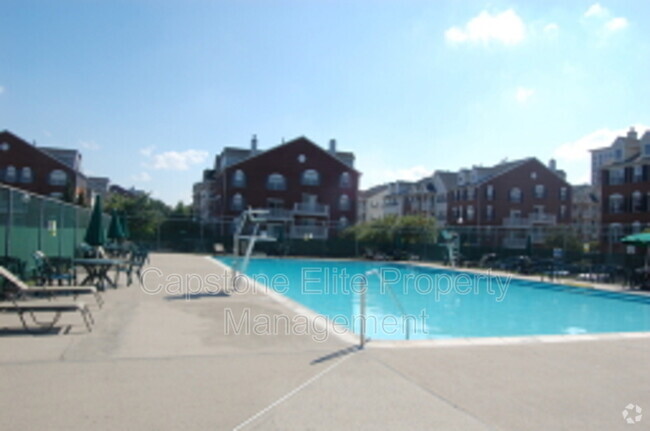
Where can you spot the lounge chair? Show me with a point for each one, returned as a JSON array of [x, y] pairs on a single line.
[[22, 308], [18, 288]]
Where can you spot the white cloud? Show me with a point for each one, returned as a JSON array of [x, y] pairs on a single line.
[[177, 160], [596, 10], [90, 145], [147, 151], [551, 29], [578, 150], [142, 177], [615, 24], [523, 94], [505, 27]]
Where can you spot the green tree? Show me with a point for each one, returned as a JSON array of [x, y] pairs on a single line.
[[143, 214], [564, 238], [394, 234]]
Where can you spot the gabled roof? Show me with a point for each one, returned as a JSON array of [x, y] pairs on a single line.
[[42, 152], [449, 179], [259, 153]]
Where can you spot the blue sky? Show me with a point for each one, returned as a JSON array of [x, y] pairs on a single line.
[[150, 91]]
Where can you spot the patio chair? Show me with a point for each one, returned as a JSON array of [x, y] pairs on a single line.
[[134, 264], [49, 270], [15, 287]]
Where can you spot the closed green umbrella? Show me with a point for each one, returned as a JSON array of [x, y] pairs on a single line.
[[125, 225], [115, 230], [95, 233]]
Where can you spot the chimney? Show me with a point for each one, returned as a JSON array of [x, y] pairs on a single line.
[[552, 165], [631, 134], [254, 144], [333, 146]]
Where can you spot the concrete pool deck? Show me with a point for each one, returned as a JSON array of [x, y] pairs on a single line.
[[161, 361]]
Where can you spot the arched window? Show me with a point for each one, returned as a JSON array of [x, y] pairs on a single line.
[[58, 178], [26, 175], [10, 174], [239, 178], [345, 180], [310, 177], [515, 195], [343, 222], [276, 182], [237, 203], [344, 203]]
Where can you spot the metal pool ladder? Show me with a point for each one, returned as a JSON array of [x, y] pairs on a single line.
[[362, 306]]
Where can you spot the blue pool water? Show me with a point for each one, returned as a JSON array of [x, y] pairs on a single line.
[[436, 303]]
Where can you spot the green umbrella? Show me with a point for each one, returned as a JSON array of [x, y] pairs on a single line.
[[95, 233], [125, 225], [115, 230], [642, 238]]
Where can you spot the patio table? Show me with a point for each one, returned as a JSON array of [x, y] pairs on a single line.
[[97, 271]]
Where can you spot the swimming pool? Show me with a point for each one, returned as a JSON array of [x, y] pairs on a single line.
[[429, 303]]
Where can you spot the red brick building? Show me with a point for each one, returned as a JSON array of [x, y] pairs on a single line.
[[46, 171], [308, 191], [625, 189], [522, 198]]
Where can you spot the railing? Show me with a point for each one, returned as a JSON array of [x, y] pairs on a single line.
[[516, 221], [313, 232], [311, 208], [396, 301], [542, 218], [516, 243]]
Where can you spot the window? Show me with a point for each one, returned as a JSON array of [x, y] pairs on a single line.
[[26, 175], [345, 180], [343, 222], [646, 149], [471, 194], [638, 174], [470, 212], [489, 213], [237, 203], [239, 178], [58, 178], [619, 154], [276, 182], [515, 195], [344, 203], [489, 192], [562, 212], [637, 201], [310, 178], [615, 204], [539, 191], [615, 232], [563, 193], [616, 177], [636, 227], [10, 174]]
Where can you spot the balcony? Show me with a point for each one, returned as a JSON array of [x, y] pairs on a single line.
[[311, 209], [532, 219], [542, 218], [311, 232]]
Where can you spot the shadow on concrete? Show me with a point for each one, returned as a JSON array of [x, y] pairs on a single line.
[[191, 296], [39, 332], [338, 354]]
